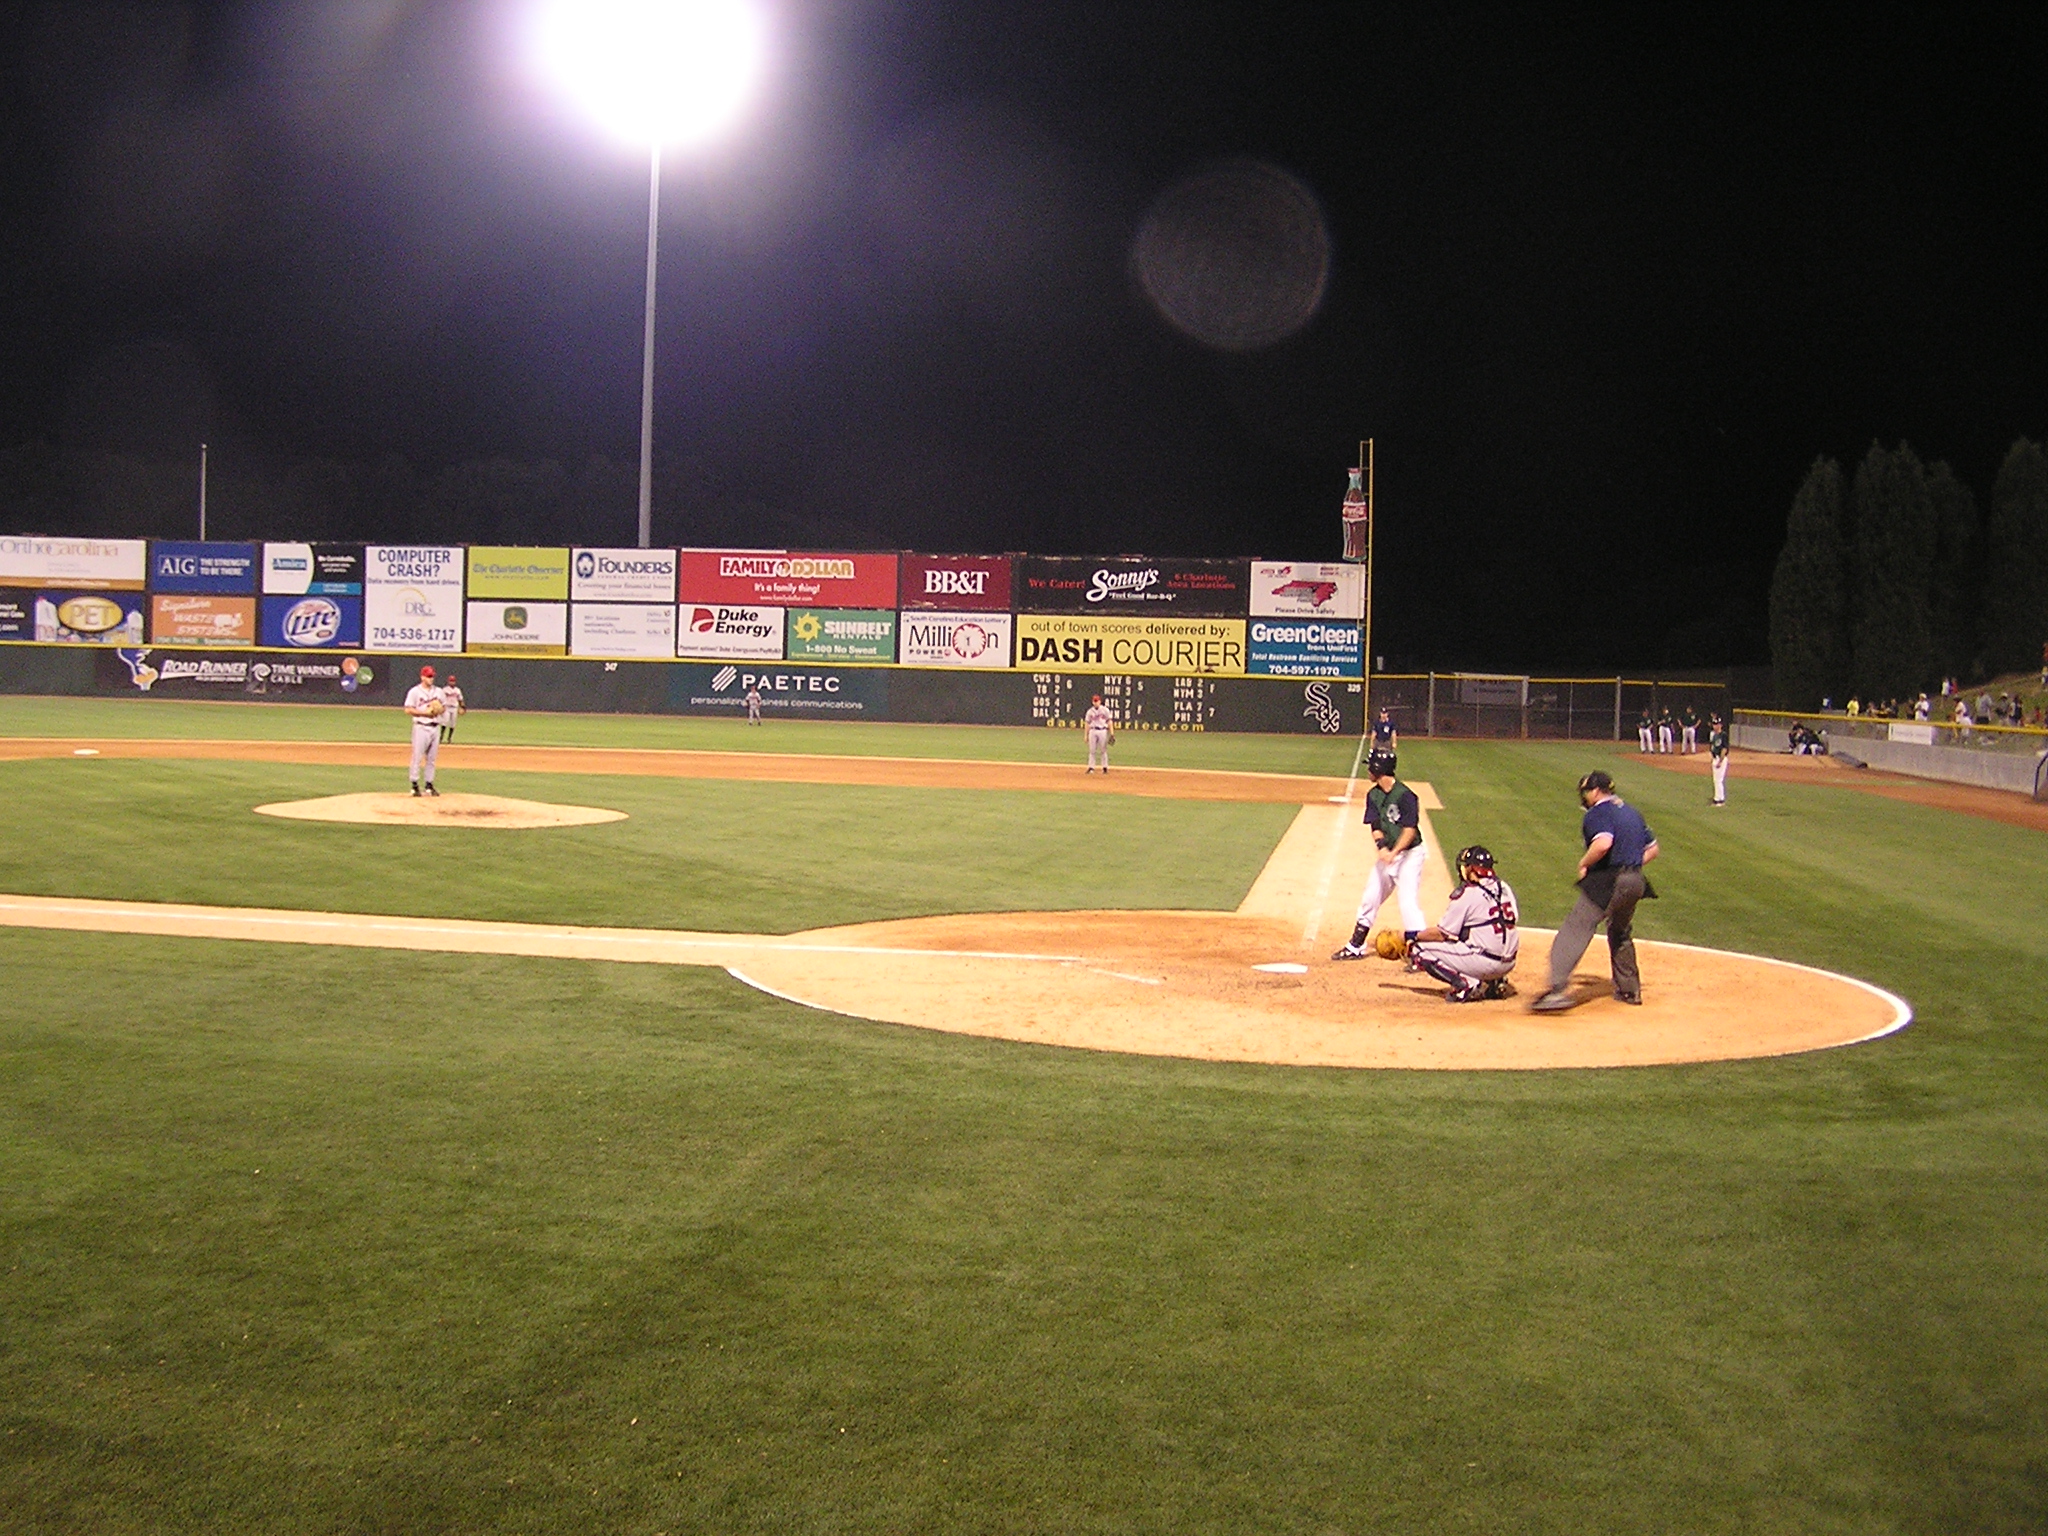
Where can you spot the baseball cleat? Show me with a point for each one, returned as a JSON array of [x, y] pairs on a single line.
[[1500, 990], [433, 791], [1351, 952], [1553, 1002], [1473, 992], [1633, 999], [415, 791]]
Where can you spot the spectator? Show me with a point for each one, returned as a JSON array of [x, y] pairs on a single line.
[[1921, 707], [1854, 708], [1983, 710], [1963, 721]]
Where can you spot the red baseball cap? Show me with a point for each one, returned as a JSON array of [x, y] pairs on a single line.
[[426, 671]]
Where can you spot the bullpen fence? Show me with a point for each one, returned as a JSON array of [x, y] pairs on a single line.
[[1511, 706], [1995, 756]]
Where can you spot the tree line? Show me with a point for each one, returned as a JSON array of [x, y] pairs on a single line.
[[1894, 580]]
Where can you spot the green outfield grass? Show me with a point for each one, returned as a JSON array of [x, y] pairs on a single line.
[[177, 719], [331, 1241]]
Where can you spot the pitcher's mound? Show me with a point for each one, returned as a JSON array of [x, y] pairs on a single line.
[[403, 810]]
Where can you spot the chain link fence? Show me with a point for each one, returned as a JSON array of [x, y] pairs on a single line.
[[1509, 706]]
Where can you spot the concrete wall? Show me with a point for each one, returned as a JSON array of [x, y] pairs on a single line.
[[1958, 765]]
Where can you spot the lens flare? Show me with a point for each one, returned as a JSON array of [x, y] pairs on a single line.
[[668, 72]]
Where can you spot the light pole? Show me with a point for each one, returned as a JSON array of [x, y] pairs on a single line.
[[652, 73]]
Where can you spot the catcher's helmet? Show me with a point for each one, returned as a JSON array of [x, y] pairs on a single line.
[[1475, 864], [1596, 780], [1379, 763]]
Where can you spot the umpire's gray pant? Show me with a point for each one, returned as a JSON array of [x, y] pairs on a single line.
[[1586, 915]]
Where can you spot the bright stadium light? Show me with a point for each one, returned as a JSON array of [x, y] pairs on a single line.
[[652, 72], [655, 73]]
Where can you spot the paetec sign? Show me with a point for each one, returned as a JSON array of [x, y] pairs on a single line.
[[540, 575], [1281, 589], [89, 618], [954, 640], [791, 692], [964, 583], [517, 629], [412, 598], [228, 569], [81, 565], [733, 633], [178, 618], [1159, 647], [1302, 648], [842, 634], [786, 578], [313, 570], [313, 622], [1074, 584], [622, 576], [639, 631]]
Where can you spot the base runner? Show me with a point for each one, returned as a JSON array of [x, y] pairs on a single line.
[[1100, 725], [452, 707], [423, 702], [1473, 946], [1395, 817]]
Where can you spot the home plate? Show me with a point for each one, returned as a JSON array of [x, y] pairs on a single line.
[[451, 810], [1282, 968]]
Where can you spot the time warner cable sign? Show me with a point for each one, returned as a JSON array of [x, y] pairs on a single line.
[[412, 598]]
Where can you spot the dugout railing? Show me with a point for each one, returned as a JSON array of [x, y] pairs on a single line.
[[1511, 706]]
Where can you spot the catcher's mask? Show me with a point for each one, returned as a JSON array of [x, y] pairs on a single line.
[[1475, 864]]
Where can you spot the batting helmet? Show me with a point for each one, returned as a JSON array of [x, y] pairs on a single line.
[[1475, 864], [1596, 780], [1379, 764]]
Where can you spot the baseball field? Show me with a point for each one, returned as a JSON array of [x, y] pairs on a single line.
[[386, 1229]]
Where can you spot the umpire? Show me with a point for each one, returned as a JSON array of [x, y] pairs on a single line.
[[1618, 844]]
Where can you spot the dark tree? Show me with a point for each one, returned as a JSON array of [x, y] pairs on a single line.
[[1809, 654], [1891, 645], [2016, 561], [1955, 586]]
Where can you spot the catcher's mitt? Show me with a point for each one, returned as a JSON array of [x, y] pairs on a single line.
[[1389, 945]]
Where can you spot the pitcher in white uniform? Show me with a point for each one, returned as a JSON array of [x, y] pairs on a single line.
[[424, 703], [1100, 725]]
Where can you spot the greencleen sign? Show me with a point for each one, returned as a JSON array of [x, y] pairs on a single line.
[[842, 634], [538, 575]]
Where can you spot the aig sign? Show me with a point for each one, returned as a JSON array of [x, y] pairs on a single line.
[[957, 583]]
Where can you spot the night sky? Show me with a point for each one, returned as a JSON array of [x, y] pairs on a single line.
[[1600, 284]]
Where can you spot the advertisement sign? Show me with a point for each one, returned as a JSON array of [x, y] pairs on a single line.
[[517, 629], [1282, 588], [315, 570], [739, 634], [312, 622], [194, 674], [954, 640], [1133, 584], [622, 576], [787, 692], [622, 629], [518, 571], [196, 619], [412, 598], [89, 618], [82, 565], [1303, 648], [773, 578], [970, 583], [842, 634], [17, 615], [193, 567], [1158, 647]]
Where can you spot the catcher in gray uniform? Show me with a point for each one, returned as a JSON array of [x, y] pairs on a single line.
[[1473, 946]]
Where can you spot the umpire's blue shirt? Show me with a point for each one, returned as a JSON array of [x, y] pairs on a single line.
[[1625, 824]]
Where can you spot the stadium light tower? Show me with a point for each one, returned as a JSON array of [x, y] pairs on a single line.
[[652, 73]]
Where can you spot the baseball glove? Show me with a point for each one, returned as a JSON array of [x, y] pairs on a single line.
[[1389, 945], [434, 706]]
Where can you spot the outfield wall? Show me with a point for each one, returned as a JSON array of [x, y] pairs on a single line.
[[789, 690]]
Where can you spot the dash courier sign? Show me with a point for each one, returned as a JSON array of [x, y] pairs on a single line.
[[1157, 647]]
